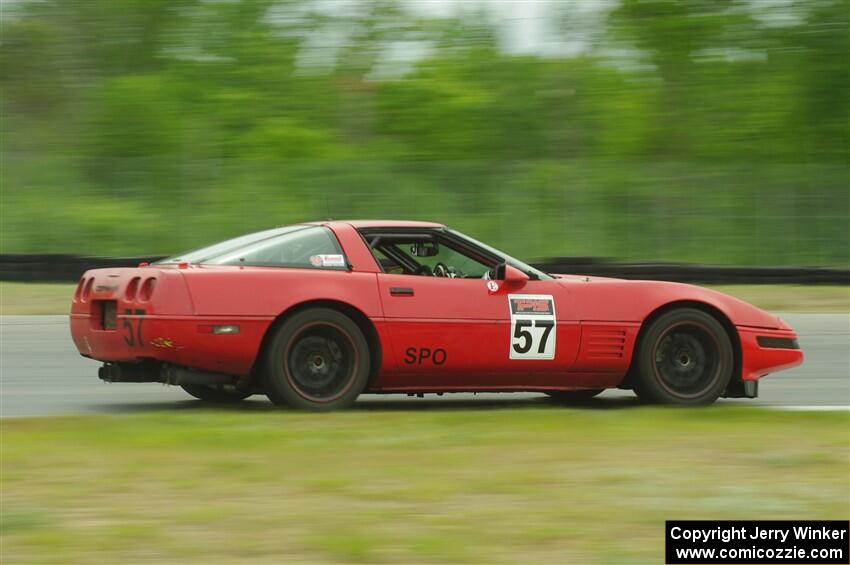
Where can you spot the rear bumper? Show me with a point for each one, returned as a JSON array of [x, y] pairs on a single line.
[[766, 351], [177, 340], [138, 315]]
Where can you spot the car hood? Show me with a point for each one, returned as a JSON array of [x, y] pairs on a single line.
[[604, 298]]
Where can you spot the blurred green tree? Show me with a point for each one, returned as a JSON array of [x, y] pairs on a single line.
[[678, 129]]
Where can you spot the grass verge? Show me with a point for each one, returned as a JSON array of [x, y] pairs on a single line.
[[35, 298], [792, 298], [48, 298], [530, 485]]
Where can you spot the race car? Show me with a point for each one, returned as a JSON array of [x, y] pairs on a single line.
[[315, 314]]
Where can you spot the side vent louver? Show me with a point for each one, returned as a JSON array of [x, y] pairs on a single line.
[[606, 344]]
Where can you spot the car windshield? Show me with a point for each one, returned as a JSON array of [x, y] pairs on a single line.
[[204, 253], [527, 269]]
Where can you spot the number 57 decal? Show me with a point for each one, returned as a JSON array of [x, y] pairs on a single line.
[[532, 324], [133, 336]]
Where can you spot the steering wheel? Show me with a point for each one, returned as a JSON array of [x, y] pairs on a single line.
[[441, 270]]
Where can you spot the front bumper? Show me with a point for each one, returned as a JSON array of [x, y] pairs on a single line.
[[765, 351]]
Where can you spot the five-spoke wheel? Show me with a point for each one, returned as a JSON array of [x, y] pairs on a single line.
[[685, 357], [318, 359]]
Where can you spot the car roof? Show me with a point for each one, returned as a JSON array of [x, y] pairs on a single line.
[[368, 224]]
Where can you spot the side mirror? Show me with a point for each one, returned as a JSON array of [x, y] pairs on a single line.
[[509, 273]]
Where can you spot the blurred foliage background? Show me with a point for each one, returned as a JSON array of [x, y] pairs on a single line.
[[711, 131]]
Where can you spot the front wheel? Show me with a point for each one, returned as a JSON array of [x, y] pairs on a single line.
[[685, 357], [216, 393], [318, 359]]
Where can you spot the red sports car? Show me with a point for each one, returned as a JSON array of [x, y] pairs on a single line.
[[315, 314]]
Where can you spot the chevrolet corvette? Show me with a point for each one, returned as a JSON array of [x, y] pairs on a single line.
[[313, 315]]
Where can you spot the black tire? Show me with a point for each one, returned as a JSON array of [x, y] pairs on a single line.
[[318, 359], [574, 395], [216, 393], [684, 358]]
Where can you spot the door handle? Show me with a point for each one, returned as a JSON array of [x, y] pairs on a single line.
[[401, 291]]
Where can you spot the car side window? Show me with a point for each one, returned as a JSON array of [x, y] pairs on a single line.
[[311, 247], [423, 255], [455, 263]]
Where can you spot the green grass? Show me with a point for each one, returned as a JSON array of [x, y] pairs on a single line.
[[35, 298], [542, 484], [43, 298], [792, 298]]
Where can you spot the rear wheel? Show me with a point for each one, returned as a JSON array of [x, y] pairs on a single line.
[[216, 393], [574, 395], [685, 357], [317, 360]]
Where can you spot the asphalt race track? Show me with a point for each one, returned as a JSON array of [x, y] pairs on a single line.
[[42, 374]]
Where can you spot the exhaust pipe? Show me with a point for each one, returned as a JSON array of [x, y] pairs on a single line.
[[146, 372], [127, 373]]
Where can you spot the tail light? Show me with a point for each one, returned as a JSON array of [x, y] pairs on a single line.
[[87, 289], [147, 289], [132, 289], [78, 291]]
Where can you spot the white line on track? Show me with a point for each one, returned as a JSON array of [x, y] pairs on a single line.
[[837, 408]]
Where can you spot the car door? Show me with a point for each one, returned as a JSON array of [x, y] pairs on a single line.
[[469, 333]]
